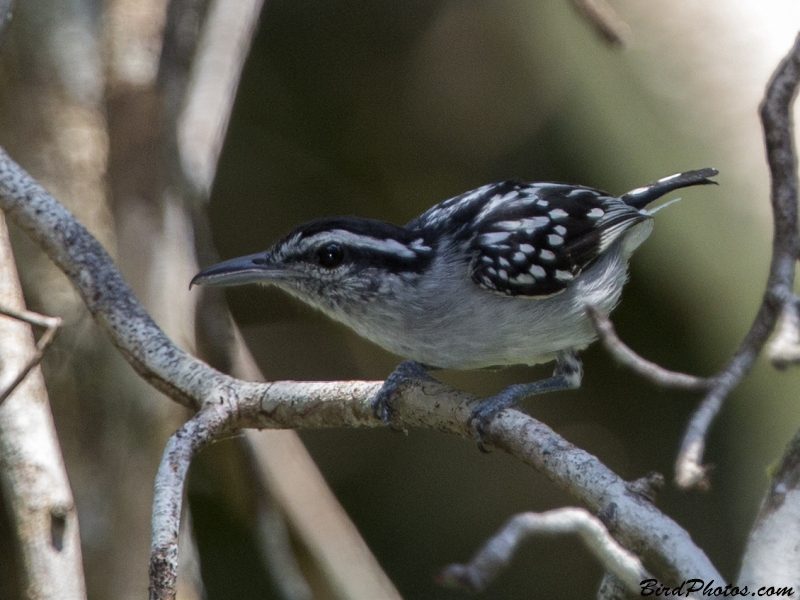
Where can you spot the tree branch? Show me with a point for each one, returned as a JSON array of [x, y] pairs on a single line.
[[199, 431], [497, 553], [51, 325], [35, 481], [784, 349], [223, 47], [778, 296], [628, 358], [605, 21], [772, 554], [779, 303]]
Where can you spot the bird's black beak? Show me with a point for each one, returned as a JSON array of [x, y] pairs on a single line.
[[237, 271]]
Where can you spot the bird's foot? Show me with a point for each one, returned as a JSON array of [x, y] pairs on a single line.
[[483, 414], [567, 375], [408, 369]]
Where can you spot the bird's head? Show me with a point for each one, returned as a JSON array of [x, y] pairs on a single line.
[[334, 264]]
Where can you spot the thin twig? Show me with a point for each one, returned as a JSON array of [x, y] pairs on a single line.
[[51, 325], [497, 553], [778, 301], [605, 21], [212, 88], [784, 349], [778, 134], [199, 431], [649, 370]]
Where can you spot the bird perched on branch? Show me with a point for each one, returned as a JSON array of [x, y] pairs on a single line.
[[501, 275]]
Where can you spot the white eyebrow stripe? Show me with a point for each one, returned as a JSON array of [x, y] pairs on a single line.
[[355, 240]]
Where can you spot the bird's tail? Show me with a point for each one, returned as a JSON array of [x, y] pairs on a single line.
[[641, 197]]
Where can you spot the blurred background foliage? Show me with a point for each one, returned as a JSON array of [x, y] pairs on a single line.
[[381, 109]]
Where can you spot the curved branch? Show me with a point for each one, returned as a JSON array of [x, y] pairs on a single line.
[[605, 21], [183, 445], [106, 294], [647, 369], [497, 553], [778, 296], [51, 325], [779, 303]]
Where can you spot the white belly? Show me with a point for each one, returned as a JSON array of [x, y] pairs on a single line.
[[473, 328]]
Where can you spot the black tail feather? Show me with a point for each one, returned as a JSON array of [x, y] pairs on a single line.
[[641, 197]]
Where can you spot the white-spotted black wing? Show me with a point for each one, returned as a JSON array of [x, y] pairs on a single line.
[[533, 240]]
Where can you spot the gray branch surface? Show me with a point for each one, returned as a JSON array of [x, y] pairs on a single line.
[[226, 404], [647, 369], [499, 550], [772, 555], [51, 325], [35, 483]]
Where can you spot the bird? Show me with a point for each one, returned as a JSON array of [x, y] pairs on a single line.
[[497, 276]]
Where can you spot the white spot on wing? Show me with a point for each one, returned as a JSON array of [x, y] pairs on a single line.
[[560, 229], [524, 279], [528, 225], [547, 255], [503, 262], [537, 271], [527, 248], [495, 203], [555, 240], [502, 274], [520, 258], [595, 213], [490, 239], [558, 213], [564, 275], [420, 246]]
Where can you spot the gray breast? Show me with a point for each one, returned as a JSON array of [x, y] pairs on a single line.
[[452, 323]]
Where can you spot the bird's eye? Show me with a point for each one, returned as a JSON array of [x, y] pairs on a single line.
[[330, 255]]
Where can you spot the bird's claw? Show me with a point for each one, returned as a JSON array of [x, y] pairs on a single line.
[[381, 404], [483, 414]]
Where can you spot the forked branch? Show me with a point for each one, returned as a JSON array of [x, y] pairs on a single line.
[[779, 303]]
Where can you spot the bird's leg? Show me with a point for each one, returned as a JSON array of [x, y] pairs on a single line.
[[408, 369], [566, 376]]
